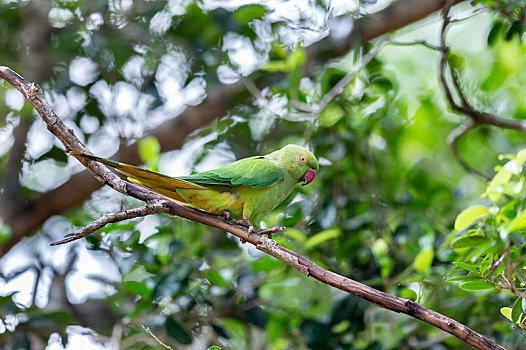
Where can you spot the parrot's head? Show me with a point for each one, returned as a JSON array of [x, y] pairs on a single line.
[[301, 164]]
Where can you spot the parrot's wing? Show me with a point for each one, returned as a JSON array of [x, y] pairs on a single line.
[[162, 184], [254, 172]]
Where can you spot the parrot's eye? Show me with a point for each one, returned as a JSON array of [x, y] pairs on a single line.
[[303, 159]]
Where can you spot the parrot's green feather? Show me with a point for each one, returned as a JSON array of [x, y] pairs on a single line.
[[255, 172], [248, 188]]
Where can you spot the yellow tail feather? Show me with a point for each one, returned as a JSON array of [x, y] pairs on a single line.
[[145, 177], [168, 193]]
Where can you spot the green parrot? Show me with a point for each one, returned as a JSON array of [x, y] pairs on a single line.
[[244, 190]]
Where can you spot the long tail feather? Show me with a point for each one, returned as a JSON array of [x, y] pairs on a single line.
[[164, 185], [168, 193]]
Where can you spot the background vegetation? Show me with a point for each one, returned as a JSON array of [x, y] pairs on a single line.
[[188, 86]]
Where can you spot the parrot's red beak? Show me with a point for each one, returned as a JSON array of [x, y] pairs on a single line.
[[308, 177]]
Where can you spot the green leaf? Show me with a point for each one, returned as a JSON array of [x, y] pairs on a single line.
[[380, 247], [265, 264], [138, 274], [471, 239], [518, 223], [496, 185], [214, 278], [296, 58], [248, 13], [407, 294], [506, 311], [137, 288], [498, 270], [516, 311], [149, 150], [220, 331], [477, 285], [521, 157], [295, 234], [341, 327], [322, 237], [469, 215], [5, 233], [466, 278], [331, 115], [424, 259], [495, 79], [465, 266], [485, 264], [515, 28], [494, 33], [456, 62], [274, 66], [177, 331]]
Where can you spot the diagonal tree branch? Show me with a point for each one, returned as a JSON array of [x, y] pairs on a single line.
[[33, 93], [172, 134]]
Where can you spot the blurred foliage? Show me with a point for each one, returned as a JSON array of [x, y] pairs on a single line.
[[384, 208], [491, 240], [510, 24]]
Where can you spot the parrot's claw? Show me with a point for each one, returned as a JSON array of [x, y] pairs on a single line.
[[226, 214], [247, 223]]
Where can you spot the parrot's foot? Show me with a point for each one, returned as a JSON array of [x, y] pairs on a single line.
[[270, 231], [226, 214], [247, 223], [250, 231]]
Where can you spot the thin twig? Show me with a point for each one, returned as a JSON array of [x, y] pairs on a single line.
[[471, 15], [496, 263], [147, 329], [343, 82], [152, 208], [270, 231], [453, 138], [314, 111], [424, 43], [520, 330], [509, 270], [458, 88]]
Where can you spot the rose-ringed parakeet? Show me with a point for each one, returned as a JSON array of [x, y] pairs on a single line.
[[247, 189]]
